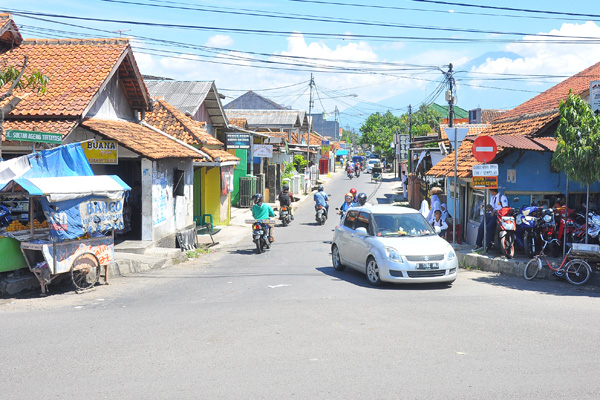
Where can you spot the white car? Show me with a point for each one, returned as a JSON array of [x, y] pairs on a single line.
[[392, 244], [371, 163]]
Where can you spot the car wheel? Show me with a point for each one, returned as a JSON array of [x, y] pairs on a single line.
[[335, 259], [373, 272]]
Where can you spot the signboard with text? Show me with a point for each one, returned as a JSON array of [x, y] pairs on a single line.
[[101, 151], [237, 140], [33, 136], [485, 170], [263, 150], [402, 149], [595, 96], [485, 182], [325, 145]]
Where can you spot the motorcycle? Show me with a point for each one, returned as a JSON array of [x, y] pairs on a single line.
[[357, 172], [350, 173], [527, 222], [504, 237], [320, 214], [284, 215], [260, 236]]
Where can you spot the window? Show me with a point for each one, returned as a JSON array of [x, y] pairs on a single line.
[[363, 221], [350, 218], [178, 183], [477, 205]]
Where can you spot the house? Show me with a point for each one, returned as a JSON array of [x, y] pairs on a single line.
[[213, 174], [525, 140], [96, 92], [253, 101]]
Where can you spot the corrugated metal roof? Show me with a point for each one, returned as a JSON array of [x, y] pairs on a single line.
[[260, 118]]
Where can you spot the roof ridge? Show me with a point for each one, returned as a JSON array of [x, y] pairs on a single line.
[[524, 116], [87, 41]]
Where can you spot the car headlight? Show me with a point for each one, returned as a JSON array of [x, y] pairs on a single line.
[[451, 255], [393, 255]]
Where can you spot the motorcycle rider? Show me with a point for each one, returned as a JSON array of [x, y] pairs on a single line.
[[348, 202], [354, 192], [361, 200], [320, 199], [262, 210], [286, 198], [497, 202]]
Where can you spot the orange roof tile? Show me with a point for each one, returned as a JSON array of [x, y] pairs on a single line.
[[474, 129], [9, 33], [487, 116], [220, 155], [465, 162], [170, 120], [239, 122], [525, 125], [140, 139], [76, 69]]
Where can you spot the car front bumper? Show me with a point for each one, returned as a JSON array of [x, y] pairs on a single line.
[[409, 273]]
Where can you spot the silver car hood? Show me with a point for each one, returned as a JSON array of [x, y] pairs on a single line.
[[417, 246]]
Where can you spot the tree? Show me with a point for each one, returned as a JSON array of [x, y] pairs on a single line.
[[36, 81], [378, 130], [425, 121], [578, 141]]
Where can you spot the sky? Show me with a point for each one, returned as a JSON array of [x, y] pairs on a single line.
[[364, 57]]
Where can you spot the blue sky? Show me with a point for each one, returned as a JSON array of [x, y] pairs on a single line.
[[378, 56]]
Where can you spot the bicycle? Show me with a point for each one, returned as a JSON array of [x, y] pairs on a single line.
[[576, 270]]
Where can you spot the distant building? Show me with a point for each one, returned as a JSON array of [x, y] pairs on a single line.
[[324, 127], [253, 101]]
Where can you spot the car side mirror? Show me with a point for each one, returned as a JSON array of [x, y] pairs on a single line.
[[362, 231], [437, 229]]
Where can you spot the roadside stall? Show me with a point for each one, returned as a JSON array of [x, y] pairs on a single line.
[[71, 224]]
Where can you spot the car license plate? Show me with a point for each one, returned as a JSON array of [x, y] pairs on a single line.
[[428, 266]]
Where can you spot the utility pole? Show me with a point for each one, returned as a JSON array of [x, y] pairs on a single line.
[[450, 99], [310, 104], [336, 137], [409, 138]]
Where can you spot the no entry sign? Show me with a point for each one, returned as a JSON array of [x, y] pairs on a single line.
[[484, 149]]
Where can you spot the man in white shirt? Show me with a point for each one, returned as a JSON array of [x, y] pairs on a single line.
[[497, 201]]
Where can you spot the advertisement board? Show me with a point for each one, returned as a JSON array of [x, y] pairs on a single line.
[[237, 140], [485, 182], [33, 136], [263, 150], [595, 96], [101, 151]]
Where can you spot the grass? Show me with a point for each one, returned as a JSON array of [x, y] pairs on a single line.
[[198, 252]]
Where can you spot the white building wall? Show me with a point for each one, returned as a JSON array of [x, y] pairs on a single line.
[[112, 103]]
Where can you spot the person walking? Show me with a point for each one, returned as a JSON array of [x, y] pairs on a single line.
[[405, 185]]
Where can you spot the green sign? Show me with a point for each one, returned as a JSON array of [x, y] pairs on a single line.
[[32, 136]]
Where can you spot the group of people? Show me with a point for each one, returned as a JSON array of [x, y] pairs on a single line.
[[353, 166], [262, 210], [497, 202], [438, 214]]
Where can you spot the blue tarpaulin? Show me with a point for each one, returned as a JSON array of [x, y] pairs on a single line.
[[341, 153]]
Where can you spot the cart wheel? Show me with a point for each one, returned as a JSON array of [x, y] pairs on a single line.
[[85, 271]]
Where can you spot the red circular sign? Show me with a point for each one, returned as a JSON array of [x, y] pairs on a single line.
[[484, 149]]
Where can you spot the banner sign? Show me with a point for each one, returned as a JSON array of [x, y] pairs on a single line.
[[402, 149], [485, 182], [325, 145], [101, 151], [263, 150], [595, 96], [66, 253], [33, 136], [71, 219], [237, 140]]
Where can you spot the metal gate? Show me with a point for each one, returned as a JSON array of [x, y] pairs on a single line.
[[247, 190]]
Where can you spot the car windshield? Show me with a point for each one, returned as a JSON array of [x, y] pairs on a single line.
[[401, 225]]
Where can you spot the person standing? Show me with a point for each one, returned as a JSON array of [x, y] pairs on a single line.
[[497, 201], [404, 184]]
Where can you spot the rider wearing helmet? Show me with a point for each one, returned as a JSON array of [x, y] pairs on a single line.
[[321, 199], [286, 198], [361, 200], [262, 210], [348, 202], [354, 191]]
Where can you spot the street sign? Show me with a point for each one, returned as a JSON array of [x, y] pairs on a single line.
[[484, 149], [595, 96], [33, 136], [485, 182], [461, 132], [485, 170]]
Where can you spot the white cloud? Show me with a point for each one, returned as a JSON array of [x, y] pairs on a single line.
[[219, 41], [546, 56]]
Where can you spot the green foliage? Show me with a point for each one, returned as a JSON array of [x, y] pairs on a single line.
[[578, 141], [425, 121], [35, 80], [349, 136], [299, 162], [288, 171], [378, 130]]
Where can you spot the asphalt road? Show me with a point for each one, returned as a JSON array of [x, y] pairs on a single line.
[[284, 324]]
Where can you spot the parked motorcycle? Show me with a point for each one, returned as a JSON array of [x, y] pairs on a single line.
[[284, 215], [260, 236], [504, 237], [526, 220], [320, 215]]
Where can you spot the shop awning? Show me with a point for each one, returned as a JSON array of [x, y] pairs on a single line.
[[341, 153], [69, 187]]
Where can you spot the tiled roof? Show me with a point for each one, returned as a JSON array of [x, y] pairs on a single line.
[[474, 129], [525, 143], [526, 125], [487, 116], [62, 126], [220, 155], [314, 138], [253, 101], [550, 99], [465, 162], [76, 69], [9, 33], [239, 122], [140, 139], [261, 118], [172, 121]]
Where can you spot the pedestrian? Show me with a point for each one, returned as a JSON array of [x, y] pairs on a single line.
[[497, 202], [438, 221], [405, 185]]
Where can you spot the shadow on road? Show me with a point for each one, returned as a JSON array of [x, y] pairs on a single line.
[[356, 278]]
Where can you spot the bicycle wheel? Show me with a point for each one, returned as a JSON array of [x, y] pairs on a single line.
[[85, 271], [578, 271], [532, 268]]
